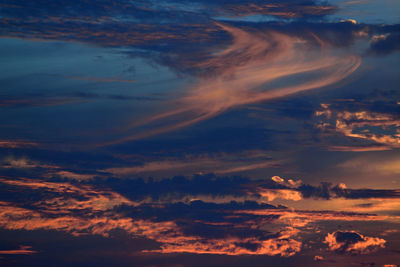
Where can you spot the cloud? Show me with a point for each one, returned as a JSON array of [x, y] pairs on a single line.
[[101, 79], [359, 149], [61, 195], [19, 163], [289, 183], [302, 218], [17, 144], [234, 187], [73, 175], [82, 210], [220, 164], [301, 9], [387, 166], [377, 205], [378, 128], [197, 227], [23, 250], [385, 44], [90, 96], [327, 191], [272, 194], [83, 11], [353, 242], [297, 190], [35, 101], [282, 245], [247, 71], [171, 32], [79, 97], [23, 163], [318, 258]]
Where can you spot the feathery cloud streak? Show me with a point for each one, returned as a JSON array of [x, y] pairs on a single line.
[[249, 71]]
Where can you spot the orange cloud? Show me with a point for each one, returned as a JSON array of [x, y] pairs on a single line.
[[353, 242], [272, 194], [283, 245], [60, 213], [246, 73], [83, 209], [23, 250], [272, 247], [301, 218], [318, 258], [289, 183], [91, 199], [358, 124], [359, 149]]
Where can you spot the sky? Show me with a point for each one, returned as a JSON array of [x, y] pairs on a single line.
[[200, 133]]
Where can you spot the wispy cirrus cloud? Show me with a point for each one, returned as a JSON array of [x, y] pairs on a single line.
[[279, 9], [17, 144], [35, 101], [22, 250], [101, 79], [381, 165], [247, 72], [219, 163], [22, 163]]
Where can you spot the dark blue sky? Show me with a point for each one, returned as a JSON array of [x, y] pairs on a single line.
[[209, 133]]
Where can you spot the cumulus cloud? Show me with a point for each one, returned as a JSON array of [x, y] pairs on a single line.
[[353, 242], [289, 183]]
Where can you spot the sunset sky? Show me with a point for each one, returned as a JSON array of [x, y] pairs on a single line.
[[180, 133]]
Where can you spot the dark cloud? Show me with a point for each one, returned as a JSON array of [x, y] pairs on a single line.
[[195, 226], [170, 34], [165, 10], [178, 186]]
